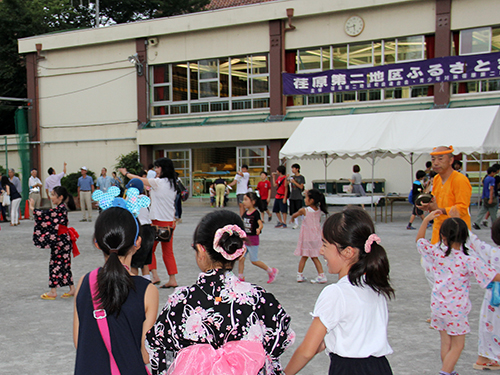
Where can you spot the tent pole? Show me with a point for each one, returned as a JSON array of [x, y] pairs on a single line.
[[326, 167], [373, 182], [411, 164], [479, 182]]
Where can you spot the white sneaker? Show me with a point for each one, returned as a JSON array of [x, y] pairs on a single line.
[[295, 226], [319, 280], [301, 278]]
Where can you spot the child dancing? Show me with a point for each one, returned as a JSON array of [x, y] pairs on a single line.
[[112, 305], [452, 266], [350, 317], [489, 319], [253, 228], [310, 242], [220, 325], [52, 231]]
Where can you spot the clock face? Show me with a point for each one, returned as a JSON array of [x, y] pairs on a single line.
[[354, 26]]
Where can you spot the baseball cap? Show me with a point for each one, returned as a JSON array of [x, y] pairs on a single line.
[[136, 183], [83, 168]]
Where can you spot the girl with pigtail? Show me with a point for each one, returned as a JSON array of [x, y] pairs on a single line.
[[220, 324], [350, 317], [128, 304]]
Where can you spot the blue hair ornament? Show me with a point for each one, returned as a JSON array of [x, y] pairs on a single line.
[[132, 203]]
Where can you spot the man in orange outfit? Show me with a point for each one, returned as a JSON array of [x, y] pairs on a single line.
[[451, 190]]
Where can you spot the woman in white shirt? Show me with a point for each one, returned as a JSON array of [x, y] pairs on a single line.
[[162, 213]]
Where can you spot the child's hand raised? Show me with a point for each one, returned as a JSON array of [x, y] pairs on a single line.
[[432, 215]]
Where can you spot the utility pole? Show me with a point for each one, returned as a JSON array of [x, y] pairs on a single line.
[[97, 18]]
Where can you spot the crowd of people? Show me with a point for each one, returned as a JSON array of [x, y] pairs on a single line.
[[223, 324]]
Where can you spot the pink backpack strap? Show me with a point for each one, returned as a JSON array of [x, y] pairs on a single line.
[[102, 322]]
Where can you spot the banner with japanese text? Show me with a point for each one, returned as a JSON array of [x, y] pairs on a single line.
[[422, 72]]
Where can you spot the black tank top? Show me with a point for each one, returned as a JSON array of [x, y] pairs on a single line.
[[125, 331]]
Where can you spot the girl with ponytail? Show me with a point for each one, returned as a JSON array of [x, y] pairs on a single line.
[[220, 324], [128, 303], [350, 317]]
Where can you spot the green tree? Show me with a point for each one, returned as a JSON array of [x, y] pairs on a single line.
[[25, 18], [131, 163]]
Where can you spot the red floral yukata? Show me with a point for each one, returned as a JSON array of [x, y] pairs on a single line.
[[45, 236]]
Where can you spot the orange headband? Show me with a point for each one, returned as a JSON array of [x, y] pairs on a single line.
[[450, 151]]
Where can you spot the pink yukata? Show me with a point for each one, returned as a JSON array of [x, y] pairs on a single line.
[[489, 317], [310, 241], [450, 303]]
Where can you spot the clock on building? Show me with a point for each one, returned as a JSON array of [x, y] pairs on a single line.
[[354, 26]]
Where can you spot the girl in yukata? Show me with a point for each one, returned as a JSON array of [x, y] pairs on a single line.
[[219, 325], [452, 265], [489, 319], [51, 231], [350, 317]]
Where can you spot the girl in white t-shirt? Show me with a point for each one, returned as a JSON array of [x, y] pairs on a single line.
[[350, 317]]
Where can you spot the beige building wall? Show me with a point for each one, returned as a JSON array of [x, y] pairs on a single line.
[[88, 88], [219, 42], [403, 19], [88, 106]]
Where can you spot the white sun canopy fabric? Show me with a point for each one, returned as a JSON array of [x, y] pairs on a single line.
[[468, 130]]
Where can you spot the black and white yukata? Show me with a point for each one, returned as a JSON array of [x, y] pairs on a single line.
[[51, 232], [217, 310]]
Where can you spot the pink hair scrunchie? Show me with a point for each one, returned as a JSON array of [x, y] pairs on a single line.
[[231, 229], [368, 244]]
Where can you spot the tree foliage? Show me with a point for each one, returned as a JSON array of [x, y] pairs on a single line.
[[131, 163], [121, 11], [25, 18]]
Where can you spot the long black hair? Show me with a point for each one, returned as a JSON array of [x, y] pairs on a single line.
[[495, 232], [114, 233], [454, 230], [205, 233], [167, 169], [67, 197], [6, 182], [256, 201], [352, 227], [319, 199]]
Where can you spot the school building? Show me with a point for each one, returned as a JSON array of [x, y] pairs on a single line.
[[206, 89]]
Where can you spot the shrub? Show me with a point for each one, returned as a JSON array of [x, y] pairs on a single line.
[[131, 163], [70, 182]]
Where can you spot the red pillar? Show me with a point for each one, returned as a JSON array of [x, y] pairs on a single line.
[[442, 48]]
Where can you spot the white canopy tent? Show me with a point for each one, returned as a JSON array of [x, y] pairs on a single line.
[[469, 130]]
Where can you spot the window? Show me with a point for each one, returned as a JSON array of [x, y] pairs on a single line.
[[257, 160], [410, 48], [360, 55], [210, 85], [474, 41], [477, 41]]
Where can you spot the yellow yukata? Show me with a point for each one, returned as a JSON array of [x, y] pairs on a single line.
[[455, 192]]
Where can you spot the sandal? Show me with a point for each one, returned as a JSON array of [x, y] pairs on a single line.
[[67, 295], [486, 366], [47, 297], [168, 286]]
